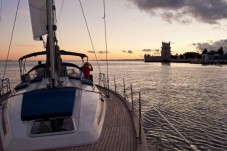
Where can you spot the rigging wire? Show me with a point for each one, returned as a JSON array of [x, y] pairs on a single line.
[[107, 70], [89, 35], [193, 147], [58, 21], [1, 12], [61, 10], [11, 38], [104, 18]]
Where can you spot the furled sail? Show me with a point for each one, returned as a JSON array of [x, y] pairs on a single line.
[[38, 12]]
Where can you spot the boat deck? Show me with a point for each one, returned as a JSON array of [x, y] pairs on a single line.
[[118, 134], [118, 130]]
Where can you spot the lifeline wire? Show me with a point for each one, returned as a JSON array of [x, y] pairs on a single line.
[[193, 147], [89, 34], [11, 39]]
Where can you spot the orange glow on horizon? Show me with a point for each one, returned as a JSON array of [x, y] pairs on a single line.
[[15, 54]]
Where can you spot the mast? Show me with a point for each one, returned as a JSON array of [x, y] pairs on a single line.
[[51, 45]]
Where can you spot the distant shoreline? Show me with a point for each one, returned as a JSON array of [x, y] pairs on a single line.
[[121, 60], [91, 60]]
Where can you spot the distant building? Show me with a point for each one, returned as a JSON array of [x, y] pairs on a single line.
[[214, 59], [165, 54]]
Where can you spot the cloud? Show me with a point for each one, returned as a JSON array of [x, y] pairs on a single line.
[[90, 51], [149, 50], [103, 52], [23, 45], [157, 50], [184, 11], [146, 50], [99, 52], [211, 45], [129, 51]]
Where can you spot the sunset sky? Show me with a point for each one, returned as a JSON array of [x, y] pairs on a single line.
[[134, 27]]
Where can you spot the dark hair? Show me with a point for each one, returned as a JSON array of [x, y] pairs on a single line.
[[39, 62]]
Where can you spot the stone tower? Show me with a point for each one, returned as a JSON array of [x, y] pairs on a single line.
[[166, 52]]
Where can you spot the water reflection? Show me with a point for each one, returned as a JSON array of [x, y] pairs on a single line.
[[191, 96]]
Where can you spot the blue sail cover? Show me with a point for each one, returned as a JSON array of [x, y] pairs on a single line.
[[48, 103]]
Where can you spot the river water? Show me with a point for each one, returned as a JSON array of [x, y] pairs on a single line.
[[192, 97]]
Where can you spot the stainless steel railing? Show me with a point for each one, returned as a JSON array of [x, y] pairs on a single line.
[[102, 80], [4, 86]]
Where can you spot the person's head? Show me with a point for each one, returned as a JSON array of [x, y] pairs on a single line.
[[39, 62], [86, 64]]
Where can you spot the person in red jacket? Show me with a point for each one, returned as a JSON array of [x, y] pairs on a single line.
[[86, 68]]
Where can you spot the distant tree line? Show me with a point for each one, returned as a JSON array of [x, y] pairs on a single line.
[[187, 55], [212, 52], [194, 55]]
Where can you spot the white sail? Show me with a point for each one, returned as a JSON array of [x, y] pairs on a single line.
[[38, 18]]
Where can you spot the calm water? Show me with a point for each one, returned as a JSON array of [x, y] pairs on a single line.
[[191, 96]]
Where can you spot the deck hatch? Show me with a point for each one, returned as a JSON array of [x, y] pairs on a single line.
[[52, 126], [48, 103]]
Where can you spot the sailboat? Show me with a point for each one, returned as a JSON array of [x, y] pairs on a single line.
[[56, 107]]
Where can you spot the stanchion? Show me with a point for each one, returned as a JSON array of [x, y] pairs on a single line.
[[140, 118], [132, 101]]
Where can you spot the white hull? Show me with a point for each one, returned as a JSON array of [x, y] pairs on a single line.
[[88, 116]]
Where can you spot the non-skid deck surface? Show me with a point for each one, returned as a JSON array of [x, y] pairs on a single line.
[[118, 131]]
